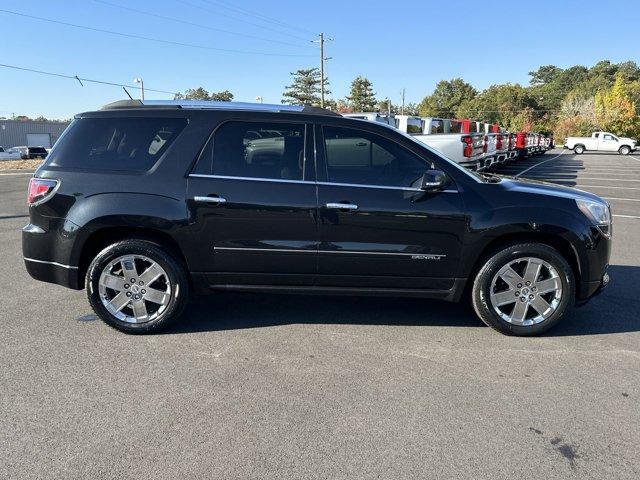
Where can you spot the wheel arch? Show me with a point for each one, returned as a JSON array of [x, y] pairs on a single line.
[[103, 237], [559, 243]]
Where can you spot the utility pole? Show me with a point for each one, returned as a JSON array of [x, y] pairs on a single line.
[[402, 108], [322, 60], [141, 82]]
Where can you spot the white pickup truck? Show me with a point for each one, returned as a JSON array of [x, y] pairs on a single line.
[[11, 154], [601, 142], [447, 137]]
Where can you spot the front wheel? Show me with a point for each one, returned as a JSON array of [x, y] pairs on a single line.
[[524, 289], [624, 150], [136, 286]]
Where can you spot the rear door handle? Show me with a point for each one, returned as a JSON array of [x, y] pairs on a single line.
[[214, 200], [342, 206]]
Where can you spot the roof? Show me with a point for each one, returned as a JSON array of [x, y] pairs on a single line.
[[209, 105]]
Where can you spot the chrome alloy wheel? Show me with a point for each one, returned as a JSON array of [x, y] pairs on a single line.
[[526, 291], [134, 289]]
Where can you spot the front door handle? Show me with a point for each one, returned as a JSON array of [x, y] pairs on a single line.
[[214, 200], [342, 206]]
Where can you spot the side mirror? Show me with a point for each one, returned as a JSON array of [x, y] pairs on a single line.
[[433, 181]]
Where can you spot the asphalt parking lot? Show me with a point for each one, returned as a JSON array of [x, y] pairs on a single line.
[[259, 386]]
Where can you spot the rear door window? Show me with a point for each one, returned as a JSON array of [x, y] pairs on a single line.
[[269, 150], [128, 144]]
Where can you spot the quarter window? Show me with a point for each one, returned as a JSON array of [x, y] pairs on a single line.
[[363, 158], [258, 150], [130, 144]]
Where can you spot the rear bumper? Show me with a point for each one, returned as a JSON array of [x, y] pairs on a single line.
[[47, 253], [53, 272]]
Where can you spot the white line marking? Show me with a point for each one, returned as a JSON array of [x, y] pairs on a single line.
[[537, 164], [13, 174], [624, 199], [609, 186], [634, 158], [626, 216], [583, 178]]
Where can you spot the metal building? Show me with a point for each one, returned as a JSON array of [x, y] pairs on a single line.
[[15, 133]]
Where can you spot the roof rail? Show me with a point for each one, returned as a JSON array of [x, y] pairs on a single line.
[[210, 105]]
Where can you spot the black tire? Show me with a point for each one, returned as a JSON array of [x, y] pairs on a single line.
[[177, 279], [579, 149], [482, 285], [624, 150]]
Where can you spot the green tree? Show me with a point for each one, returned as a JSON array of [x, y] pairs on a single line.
[[499, 104], [545, 74], [383, 106], [362, 98], [305, 89], [202, 94], [446, 98], [223, 96], [615, 111], [193, 94]]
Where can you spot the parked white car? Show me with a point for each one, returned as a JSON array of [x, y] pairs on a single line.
[[601, 142], [10, 154]]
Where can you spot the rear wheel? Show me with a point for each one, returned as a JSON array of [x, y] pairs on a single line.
[[624, 150], [579, 149], [137, 286], [524, 289]]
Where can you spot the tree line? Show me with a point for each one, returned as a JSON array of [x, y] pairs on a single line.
[[571, 101]]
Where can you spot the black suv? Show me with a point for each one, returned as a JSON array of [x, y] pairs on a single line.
[[144, 203]]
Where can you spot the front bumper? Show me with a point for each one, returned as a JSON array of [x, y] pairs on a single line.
[[593, 289]]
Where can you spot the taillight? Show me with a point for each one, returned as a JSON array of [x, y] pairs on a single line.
[[485, 144], [468, 146], [40, 189]]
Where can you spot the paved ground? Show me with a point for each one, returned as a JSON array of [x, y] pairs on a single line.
[[308, 387]]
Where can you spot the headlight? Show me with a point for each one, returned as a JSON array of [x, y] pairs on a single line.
[[598, 213]]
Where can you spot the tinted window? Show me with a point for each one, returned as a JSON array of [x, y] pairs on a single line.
[[437, 126], [358, 157], [257, 150], [455, 127], [37, 150], [414, 125], [131, 144]]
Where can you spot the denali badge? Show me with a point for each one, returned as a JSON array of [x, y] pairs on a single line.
[[427, 257]]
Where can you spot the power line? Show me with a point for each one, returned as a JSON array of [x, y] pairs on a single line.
[[82, 79], [260, 16], [151, 39], [193, 24], [217, 13]]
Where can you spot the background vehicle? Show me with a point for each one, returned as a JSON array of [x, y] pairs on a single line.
[[9, 154], [450, 137], [373, 117], [602, 142], [346, 206], [30, 153]]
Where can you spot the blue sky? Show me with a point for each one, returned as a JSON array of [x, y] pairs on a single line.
[[411, 45]]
